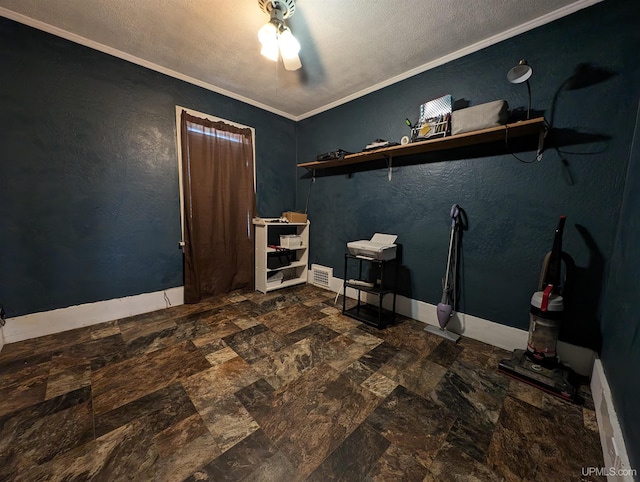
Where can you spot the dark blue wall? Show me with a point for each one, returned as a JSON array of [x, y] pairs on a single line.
[[621, 321], [88, 172], [512, 207]]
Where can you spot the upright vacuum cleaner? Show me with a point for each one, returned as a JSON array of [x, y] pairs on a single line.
[[538, 365], [447, 306]]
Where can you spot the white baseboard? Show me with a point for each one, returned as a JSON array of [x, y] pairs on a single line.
[[579, 358], [48, 322], [616, 460], [63, 319]]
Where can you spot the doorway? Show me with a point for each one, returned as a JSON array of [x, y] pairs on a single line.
[[216, 166]]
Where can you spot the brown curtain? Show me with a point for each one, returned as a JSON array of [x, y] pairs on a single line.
[[219, 205]]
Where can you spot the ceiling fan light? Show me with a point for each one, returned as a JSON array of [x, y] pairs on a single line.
[[289, 45], [275, 37], [270, 50], [291, 63], [268, 33]]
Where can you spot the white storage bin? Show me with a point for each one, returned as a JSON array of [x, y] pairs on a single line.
[[290, 240]]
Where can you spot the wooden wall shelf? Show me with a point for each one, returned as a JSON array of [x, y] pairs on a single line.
[[527, 128]]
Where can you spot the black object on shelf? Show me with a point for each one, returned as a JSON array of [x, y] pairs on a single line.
[[337, 154], [280, 258], [383, 275]]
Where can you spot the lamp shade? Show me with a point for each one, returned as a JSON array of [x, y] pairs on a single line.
[[268, 33], [520, 73], [289, 48], [270, 50], [291, 63], [289, 45], [268, 36]]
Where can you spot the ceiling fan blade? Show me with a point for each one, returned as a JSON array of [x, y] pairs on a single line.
[[291, 62]]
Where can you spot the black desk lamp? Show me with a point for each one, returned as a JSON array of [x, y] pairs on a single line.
[[519, 74]]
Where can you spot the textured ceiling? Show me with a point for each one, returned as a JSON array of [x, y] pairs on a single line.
[[349, 47]]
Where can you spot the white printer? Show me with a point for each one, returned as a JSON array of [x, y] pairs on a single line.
[[380, 246]]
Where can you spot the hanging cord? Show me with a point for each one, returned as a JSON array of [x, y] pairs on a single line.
[[313, 181], [538, 157]]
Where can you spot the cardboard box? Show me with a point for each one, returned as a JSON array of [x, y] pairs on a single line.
[[295, 217]]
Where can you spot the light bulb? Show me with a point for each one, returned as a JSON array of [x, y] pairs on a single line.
[[268, 33], [289, 45], [268, 36], [289, 48], [270, 50]]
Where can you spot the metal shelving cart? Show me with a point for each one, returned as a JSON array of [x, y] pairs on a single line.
[[384, 283]]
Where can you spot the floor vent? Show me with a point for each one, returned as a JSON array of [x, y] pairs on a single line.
[[321, 276]]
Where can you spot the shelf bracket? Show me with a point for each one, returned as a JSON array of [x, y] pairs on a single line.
[[541, 137], [389, 161]]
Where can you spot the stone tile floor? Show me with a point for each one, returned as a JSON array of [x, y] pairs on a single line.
[[278, 387]]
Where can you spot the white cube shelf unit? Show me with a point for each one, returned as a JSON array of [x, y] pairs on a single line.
[[267, 235]]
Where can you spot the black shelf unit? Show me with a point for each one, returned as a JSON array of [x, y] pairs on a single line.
[[374, 315]]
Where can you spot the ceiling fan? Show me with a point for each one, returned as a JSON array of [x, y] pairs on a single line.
[[276, 38]]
